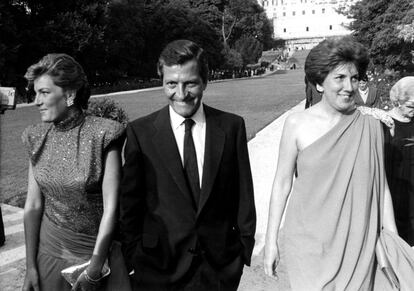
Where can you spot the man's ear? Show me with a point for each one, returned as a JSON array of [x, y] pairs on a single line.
[[319, 88]]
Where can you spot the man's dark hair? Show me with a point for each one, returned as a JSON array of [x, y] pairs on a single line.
[[181, 51], [330, 53], [364, 78]]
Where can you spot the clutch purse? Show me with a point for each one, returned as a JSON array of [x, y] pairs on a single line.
[[72, 273]]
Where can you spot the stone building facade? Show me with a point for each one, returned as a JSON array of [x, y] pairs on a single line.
[[304, 23]]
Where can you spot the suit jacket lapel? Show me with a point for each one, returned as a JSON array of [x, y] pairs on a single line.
[[371, 97], [358, 98], [214, 145], [166, 145]]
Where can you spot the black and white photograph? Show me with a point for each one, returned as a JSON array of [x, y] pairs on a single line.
[[207, 145]]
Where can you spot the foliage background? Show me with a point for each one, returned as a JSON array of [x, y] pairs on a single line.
[[377, 25], [119, 41], [386, 28]]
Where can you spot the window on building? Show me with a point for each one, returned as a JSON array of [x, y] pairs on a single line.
[[303, 12], [284, 29], [313, 11], [330, 27], [284, 13], [307, 28], [293, 13], [323, 10]]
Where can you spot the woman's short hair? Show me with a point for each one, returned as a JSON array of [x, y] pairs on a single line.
[[402, 90], [330, 53], [65, 72], [181, 51]]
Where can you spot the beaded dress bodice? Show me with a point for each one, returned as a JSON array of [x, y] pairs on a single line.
[[67, 160]]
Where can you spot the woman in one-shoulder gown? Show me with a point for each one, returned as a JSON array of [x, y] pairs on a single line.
[[340, 199]]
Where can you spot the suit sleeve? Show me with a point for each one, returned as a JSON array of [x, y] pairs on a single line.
[[132, 197], [247, 212], [377, 99]]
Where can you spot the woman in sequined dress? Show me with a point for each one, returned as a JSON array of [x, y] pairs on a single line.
[[74, 174]]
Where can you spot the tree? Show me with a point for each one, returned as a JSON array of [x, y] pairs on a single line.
[[175, 20], [406, 32], [376, 24], [245, 18], [13, 21], [125, 40], [249, 48], [232, 59], [32, 29]]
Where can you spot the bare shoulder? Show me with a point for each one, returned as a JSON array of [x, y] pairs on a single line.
[[300, 119]]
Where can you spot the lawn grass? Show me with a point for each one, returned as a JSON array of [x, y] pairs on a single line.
[[258, 100]]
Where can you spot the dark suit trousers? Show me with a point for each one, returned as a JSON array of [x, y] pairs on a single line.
[[202, 277]]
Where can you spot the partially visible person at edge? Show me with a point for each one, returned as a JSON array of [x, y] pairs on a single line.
[[399, 156], [187, 207], [367, 95], [329, 236], [74, 176]]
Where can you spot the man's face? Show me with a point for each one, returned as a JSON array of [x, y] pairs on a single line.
[[183, 87], [363, 85]]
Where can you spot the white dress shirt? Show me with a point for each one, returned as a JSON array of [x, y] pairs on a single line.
[[364, 94], [199, 135]]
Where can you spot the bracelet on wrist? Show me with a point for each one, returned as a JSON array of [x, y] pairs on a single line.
[[90, 280]]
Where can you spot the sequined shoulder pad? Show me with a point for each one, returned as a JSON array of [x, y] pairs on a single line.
[[34, 135], [108, 129]]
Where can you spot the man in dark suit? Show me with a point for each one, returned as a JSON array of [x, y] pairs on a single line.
[[187, 214], [367, 95]]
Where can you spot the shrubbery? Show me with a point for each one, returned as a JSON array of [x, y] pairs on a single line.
[[107, 108], [125, 85], [384, 82]]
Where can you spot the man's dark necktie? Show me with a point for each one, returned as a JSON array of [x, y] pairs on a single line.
[[190, 161]]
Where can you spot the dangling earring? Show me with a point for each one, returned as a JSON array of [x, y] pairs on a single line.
[[69, 101]]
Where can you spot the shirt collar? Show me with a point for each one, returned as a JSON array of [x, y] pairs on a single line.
[[177, 120]]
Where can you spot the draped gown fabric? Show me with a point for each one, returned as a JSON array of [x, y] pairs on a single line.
[[332, 220], [68, 166]]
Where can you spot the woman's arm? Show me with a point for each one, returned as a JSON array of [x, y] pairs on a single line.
[[110, 193], [33, 211], [282, 185], [389, 218]]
